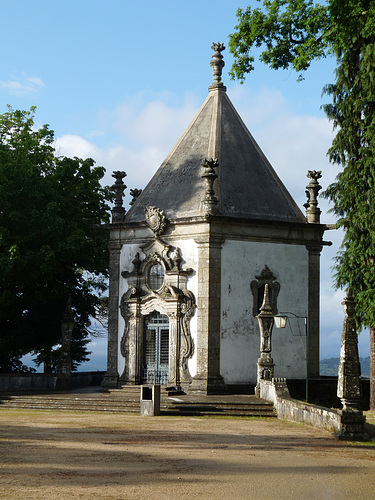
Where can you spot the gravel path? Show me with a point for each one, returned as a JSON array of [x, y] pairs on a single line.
[[66, 455]]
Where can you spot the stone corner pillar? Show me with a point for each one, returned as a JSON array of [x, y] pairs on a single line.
[[111, 377], [313, 314], [208, 379]]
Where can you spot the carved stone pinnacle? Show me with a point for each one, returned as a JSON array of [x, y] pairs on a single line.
[[135, 193], [210, 175], [217, 64], [349, 376], [312, 190], [118, 211]]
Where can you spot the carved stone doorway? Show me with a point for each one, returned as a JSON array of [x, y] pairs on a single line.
[[155, 366]]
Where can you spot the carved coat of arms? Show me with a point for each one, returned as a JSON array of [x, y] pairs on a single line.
[[156, 219]]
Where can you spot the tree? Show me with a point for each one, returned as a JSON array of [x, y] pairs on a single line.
[[292, 34], [50, 245]]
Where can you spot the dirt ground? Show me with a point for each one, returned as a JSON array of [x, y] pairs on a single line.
[[68, 455]]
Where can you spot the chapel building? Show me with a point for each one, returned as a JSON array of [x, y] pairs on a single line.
[[190, 260]]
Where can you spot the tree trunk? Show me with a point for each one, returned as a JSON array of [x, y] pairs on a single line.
[[372, 368]]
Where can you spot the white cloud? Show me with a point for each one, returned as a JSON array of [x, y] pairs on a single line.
[[22, 85], [144, 134], [74, 145], [259, 106], [292, 143], [139, 165], [155, 123]]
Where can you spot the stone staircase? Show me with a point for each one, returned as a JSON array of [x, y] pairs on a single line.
[[127, 400], [234, 406]]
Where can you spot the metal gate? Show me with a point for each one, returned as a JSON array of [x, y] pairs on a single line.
[[156, 349]]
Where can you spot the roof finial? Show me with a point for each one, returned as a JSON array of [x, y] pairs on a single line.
[[313, 188], [217, 64], [118, 211]]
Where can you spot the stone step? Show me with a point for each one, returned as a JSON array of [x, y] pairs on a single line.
[[234, 413], [253, 408], [220, 408], [128, 401], [218, 402], [114, 409], [59, 403]]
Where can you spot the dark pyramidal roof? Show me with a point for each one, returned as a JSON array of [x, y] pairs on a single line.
[[246, 185]]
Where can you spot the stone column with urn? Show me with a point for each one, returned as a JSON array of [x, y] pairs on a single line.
[[265, 364], [312, 189]]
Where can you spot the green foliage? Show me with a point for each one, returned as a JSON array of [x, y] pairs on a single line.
[[293, 33], [353, 115], [50, 358], [50, 245]]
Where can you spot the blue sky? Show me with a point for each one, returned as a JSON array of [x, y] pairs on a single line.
[[119, 81]]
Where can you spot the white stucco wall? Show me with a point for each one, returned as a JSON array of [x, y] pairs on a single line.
[[189, 253], [240, 339]]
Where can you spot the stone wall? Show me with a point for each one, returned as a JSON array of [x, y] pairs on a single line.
[[297, 411], [43, 381]]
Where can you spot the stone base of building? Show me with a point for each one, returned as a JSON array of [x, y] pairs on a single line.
[[204, 385], [110, 381], [63, 383]]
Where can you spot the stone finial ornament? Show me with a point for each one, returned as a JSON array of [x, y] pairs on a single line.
[[156, 219], [312, 190], [209, 174], [217, 64], [118, 211], [135, 193]]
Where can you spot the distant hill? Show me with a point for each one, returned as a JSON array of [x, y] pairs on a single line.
[[330, 367]]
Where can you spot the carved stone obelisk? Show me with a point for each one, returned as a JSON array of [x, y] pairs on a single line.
[[349, 379]]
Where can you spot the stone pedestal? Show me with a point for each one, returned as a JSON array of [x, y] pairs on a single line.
[[265, 370], [352, 426], [202, 384]]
